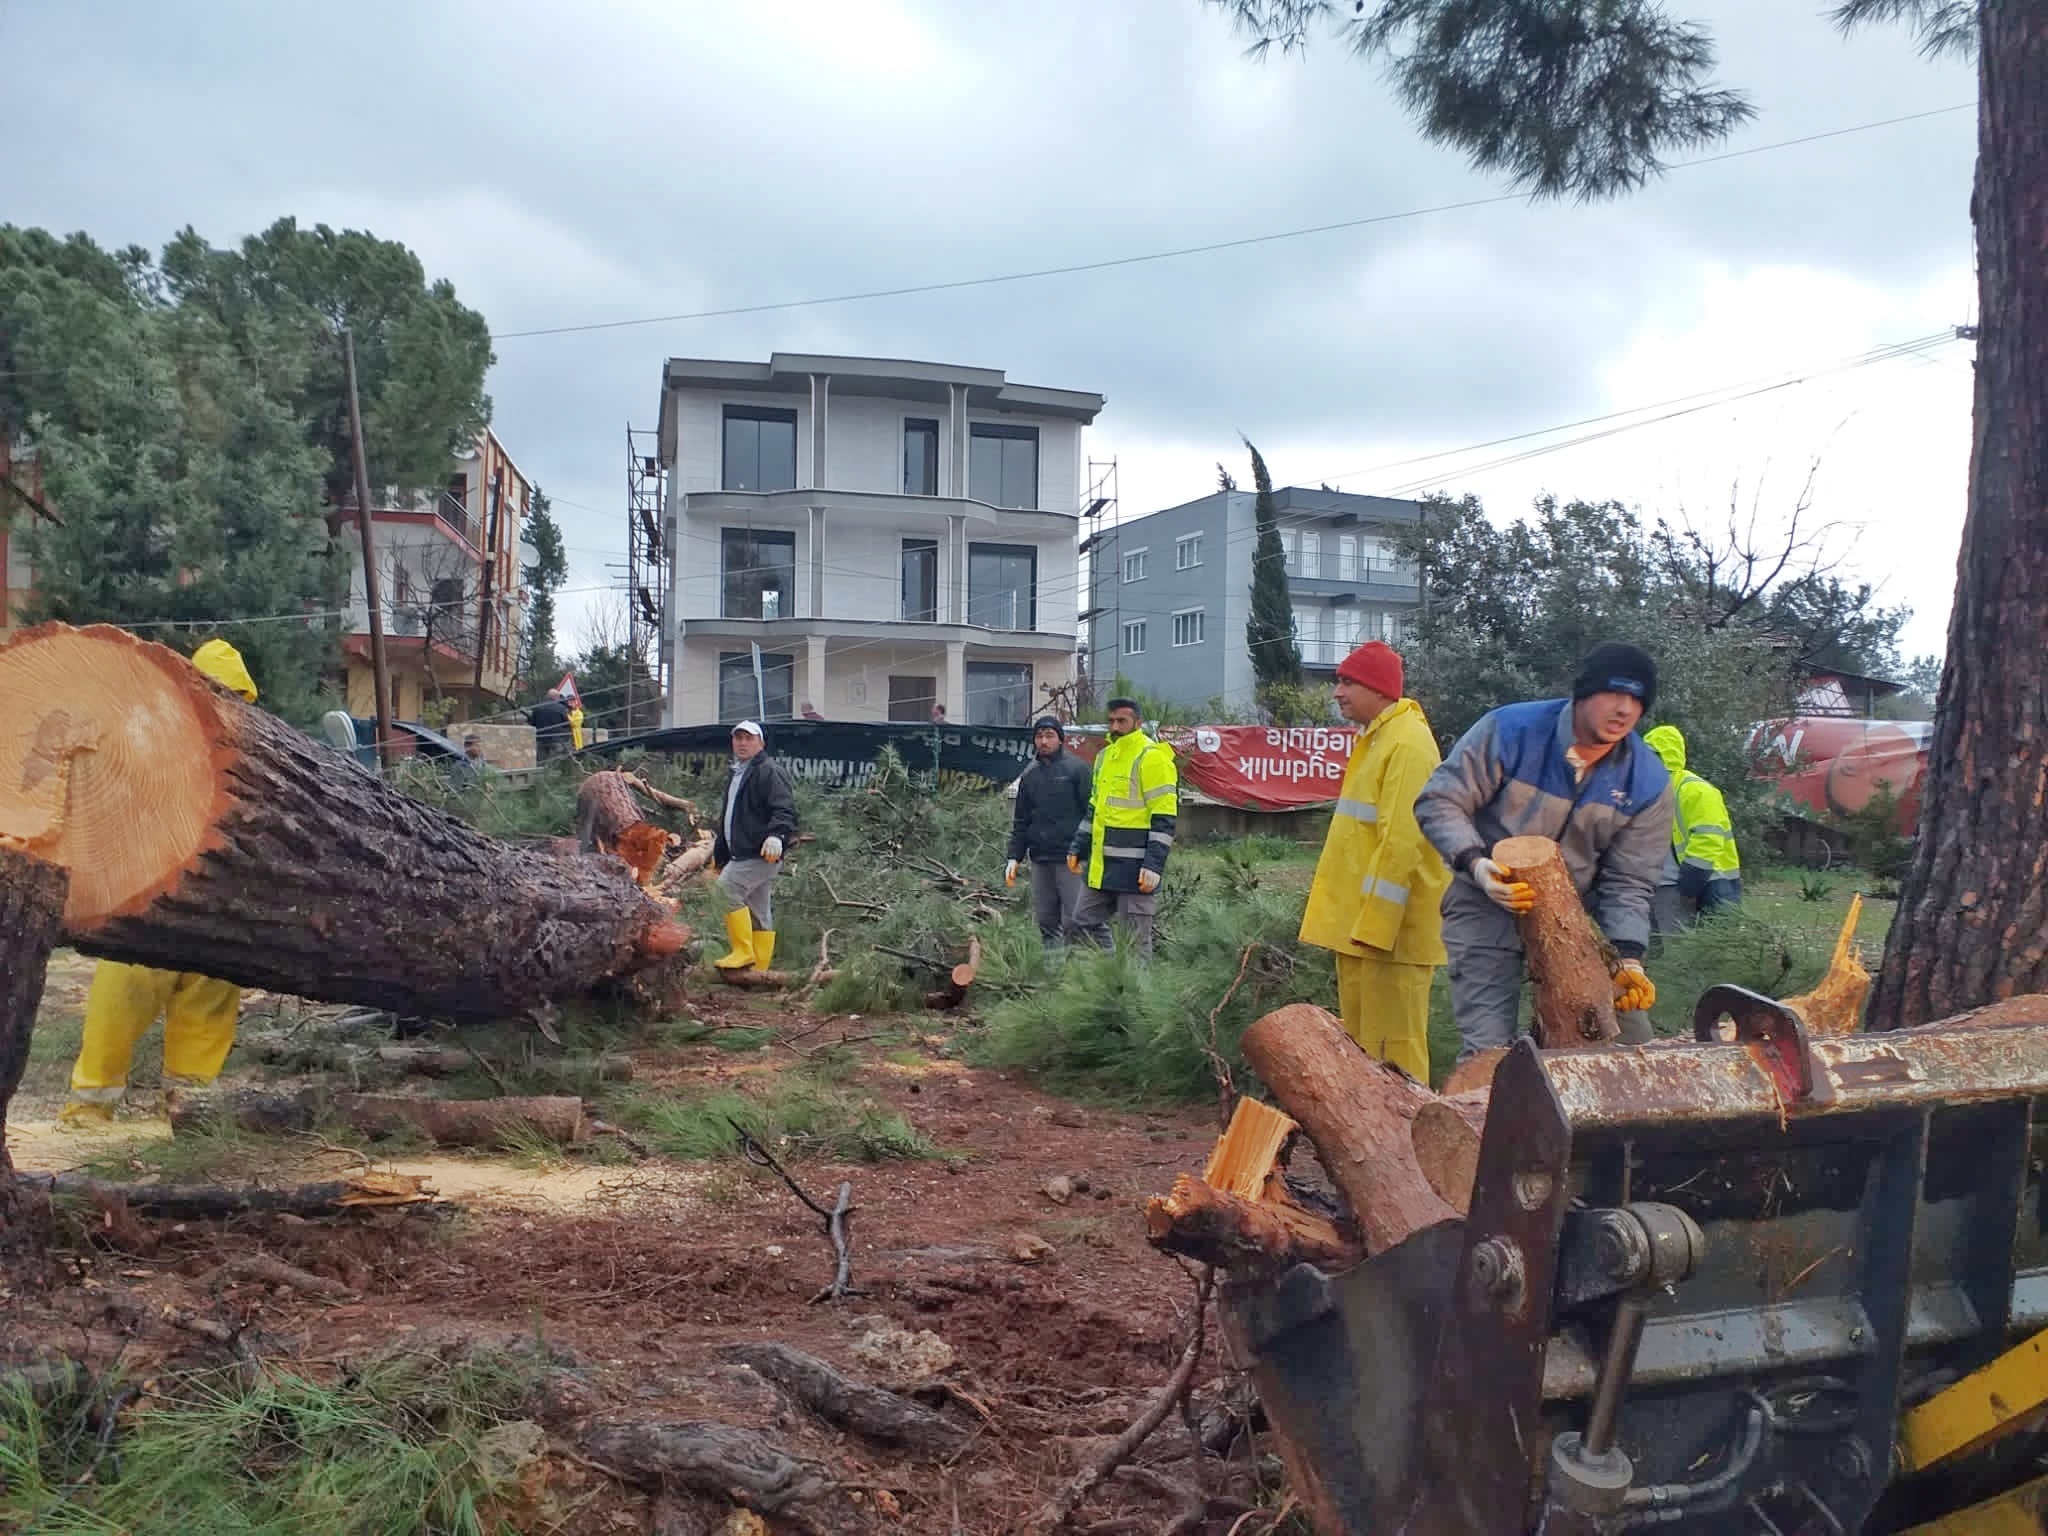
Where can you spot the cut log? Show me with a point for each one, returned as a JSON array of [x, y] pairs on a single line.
[[1355, 1112], [447, 1122], [203, 834], [1566, 957], [175, 1202], [868, 1411], [266, 1270], [1835, 1006], [1475, 1071], [605, 808], [758, 981], [694, 859], [1242, 1161], [445, 1061], [1199, 1221], [954, 981], [1446, 1137], [31, 912]]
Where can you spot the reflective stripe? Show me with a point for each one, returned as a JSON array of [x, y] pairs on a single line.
[[1164, 839], [1358, 810], [1138, 797], [1162, 790], [1704, 830], [1386, 890], [1111, 852]]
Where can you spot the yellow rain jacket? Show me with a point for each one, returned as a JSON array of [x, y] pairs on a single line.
[[1701, 833], [1379, 885], [199, 1012], [1132, 813]]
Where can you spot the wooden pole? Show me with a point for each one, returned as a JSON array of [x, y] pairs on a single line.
[[373, 587]]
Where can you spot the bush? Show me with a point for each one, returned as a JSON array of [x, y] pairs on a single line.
[[1875, 842]]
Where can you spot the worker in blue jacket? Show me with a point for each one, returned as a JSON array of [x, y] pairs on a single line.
[[1572, 770]]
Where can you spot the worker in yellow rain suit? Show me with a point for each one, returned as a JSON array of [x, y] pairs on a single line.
[[199, 1013], [1379, 886]]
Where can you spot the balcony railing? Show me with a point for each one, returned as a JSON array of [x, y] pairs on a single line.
[[1381, 573], [456, 515]]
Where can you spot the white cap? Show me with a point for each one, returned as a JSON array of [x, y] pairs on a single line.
[[751, 727]]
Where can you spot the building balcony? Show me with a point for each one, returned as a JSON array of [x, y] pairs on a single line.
[[1378, 584], [905, 631], [882, 508]]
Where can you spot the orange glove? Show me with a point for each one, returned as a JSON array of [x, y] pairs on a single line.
[[1010, 874], [1074, 863], [1502, 888], [1634, 992]]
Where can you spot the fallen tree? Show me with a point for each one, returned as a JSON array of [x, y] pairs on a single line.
[[202, 834], [445, 1122]]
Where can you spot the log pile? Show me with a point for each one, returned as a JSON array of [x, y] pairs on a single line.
[[203, 834]]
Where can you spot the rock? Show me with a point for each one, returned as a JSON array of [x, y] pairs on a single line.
[[1059, 1189], [1081, 1184], [902, 1358], [506, 1450], [1029, 1248], [1070, 1117]]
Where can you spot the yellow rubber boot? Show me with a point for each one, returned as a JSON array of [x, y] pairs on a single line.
[[764, 948], [121, 1003], [199, 1029], [739, 927]]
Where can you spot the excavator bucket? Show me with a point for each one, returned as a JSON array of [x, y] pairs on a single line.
[[1749, 1282]]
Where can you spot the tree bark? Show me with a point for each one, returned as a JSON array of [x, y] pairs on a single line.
[[1574, 987], [31, 911], [205, 835], [1200, 1221], [609, 821], [185, 1202], [446, 1122], [866, 1410], [1446, 1135], [1356, 1113], [1972, 926]]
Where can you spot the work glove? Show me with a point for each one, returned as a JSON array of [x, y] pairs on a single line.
[[771, 850], [1148, 881], [1634, 992], [1502, 888], [1074, 863], [1010, 873]]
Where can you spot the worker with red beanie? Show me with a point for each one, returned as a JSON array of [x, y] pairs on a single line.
[[1378, 892]]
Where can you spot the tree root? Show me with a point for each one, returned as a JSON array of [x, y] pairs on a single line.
[[867, 1411]]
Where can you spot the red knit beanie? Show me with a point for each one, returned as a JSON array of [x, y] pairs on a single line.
[[1375, 665]]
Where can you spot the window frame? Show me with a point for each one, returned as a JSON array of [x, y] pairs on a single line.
[[773, 663], [758, 415], [1133, 627], [1006, 432], [1005, 551], [921, 424], [904, 549], [1140, 555], [1200, 626], [755, 537], [1188, 544], [977, 715]]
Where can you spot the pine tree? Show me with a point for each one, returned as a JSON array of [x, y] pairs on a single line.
[[1269, 631], [547, 570]]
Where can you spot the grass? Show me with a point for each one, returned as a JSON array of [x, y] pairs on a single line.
[[795, 1114], [392, 1449]]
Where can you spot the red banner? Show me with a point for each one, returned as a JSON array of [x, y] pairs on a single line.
[[1256, 767]]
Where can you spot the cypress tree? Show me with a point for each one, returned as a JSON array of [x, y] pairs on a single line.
[[1269, 631]]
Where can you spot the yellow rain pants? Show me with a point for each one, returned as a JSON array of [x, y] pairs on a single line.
[[199, 1027], [1385, 1004]]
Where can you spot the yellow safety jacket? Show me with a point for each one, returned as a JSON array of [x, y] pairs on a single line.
[[1379, 885], [1133, 810], [1701, 833]]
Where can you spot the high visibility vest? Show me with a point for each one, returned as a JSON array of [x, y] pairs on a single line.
[[1700, 832], [1133, 810], [1379, 884]]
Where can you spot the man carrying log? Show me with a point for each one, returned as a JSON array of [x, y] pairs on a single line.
[[1052, 797], [759, 820], [1572, 770], [199, 1013], [1379, 885], [1122, 842]]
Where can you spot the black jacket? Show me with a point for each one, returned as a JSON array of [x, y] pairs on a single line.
[[766, 808], [1052, 797], [550, 720]]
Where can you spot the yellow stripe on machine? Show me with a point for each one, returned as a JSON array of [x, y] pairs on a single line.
[[1978, 1409]]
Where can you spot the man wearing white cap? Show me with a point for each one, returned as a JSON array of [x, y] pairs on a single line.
[[759, 820]]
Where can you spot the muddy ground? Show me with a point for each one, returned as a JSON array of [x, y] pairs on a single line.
[[635, 1274]]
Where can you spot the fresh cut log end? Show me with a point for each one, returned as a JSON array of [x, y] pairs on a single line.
[[1567, 958], [1214, 1226]]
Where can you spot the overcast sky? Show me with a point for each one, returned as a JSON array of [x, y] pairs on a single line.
[[606, 161]]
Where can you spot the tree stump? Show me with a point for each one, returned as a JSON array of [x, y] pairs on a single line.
[[202, 834], [1566, 956], [31, 913], [1356, 1113], [609, 820]]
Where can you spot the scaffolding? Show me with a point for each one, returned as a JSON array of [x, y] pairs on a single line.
[[650, 564], [1101, 539]]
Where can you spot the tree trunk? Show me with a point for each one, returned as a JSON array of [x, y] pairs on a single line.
[[445, 1122], [31, 911], [1972, 926], [1574, 987], [1446, 1135], [1355, 1111], [205, 835], [608, 820], [1200, 1221]]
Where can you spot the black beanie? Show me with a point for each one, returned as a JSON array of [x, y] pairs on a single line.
[[1047, 723], [1612, 667]]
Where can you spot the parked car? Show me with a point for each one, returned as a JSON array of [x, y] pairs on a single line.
[[409, 738]]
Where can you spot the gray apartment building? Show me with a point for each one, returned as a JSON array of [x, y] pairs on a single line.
[[1169, 592]]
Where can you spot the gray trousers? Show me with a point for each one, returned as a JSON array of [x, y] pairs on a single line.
[[746, 883], [1487, 973], [1055, 897], [1133, 910]]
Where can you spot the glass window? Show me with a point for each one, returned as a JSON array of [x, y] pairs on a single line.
[[1311, 559], [921, 579], [1002, 464], [1347, 558], [1187, 627], [759, 568], [1187, 552], [920, 457], [1002, 586], [738, 696], [760, 449], [998, 693], [1134, 565], [1308, 633], [1134, 638], [1346, 630]]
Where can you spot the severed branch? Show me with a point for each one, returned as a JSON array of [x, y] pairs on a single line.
[[1057, 1513], [197, 1201], [837, 1221], [270, 1271]]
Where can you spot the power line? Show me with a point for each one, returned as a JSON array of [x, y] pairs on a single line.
[[1179, 252]]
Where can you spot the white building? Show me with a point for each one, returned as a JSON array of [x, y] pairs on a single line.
[[889, 534]]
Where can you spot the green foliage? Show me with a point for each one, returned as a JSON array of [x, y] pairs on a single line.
[[795, 1114], [1875, 842], [1815, 887], [539, 666], [1269, 629], [390, 1450]]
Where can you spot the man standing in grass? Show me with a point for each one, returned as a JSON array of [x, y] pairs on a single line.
[[1123, 840], [1052, 797], [1379, 886], [753, 833]]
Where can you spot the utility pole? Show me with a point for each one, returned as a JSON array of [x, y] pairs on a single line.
[[373, 588], [483, 629]]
